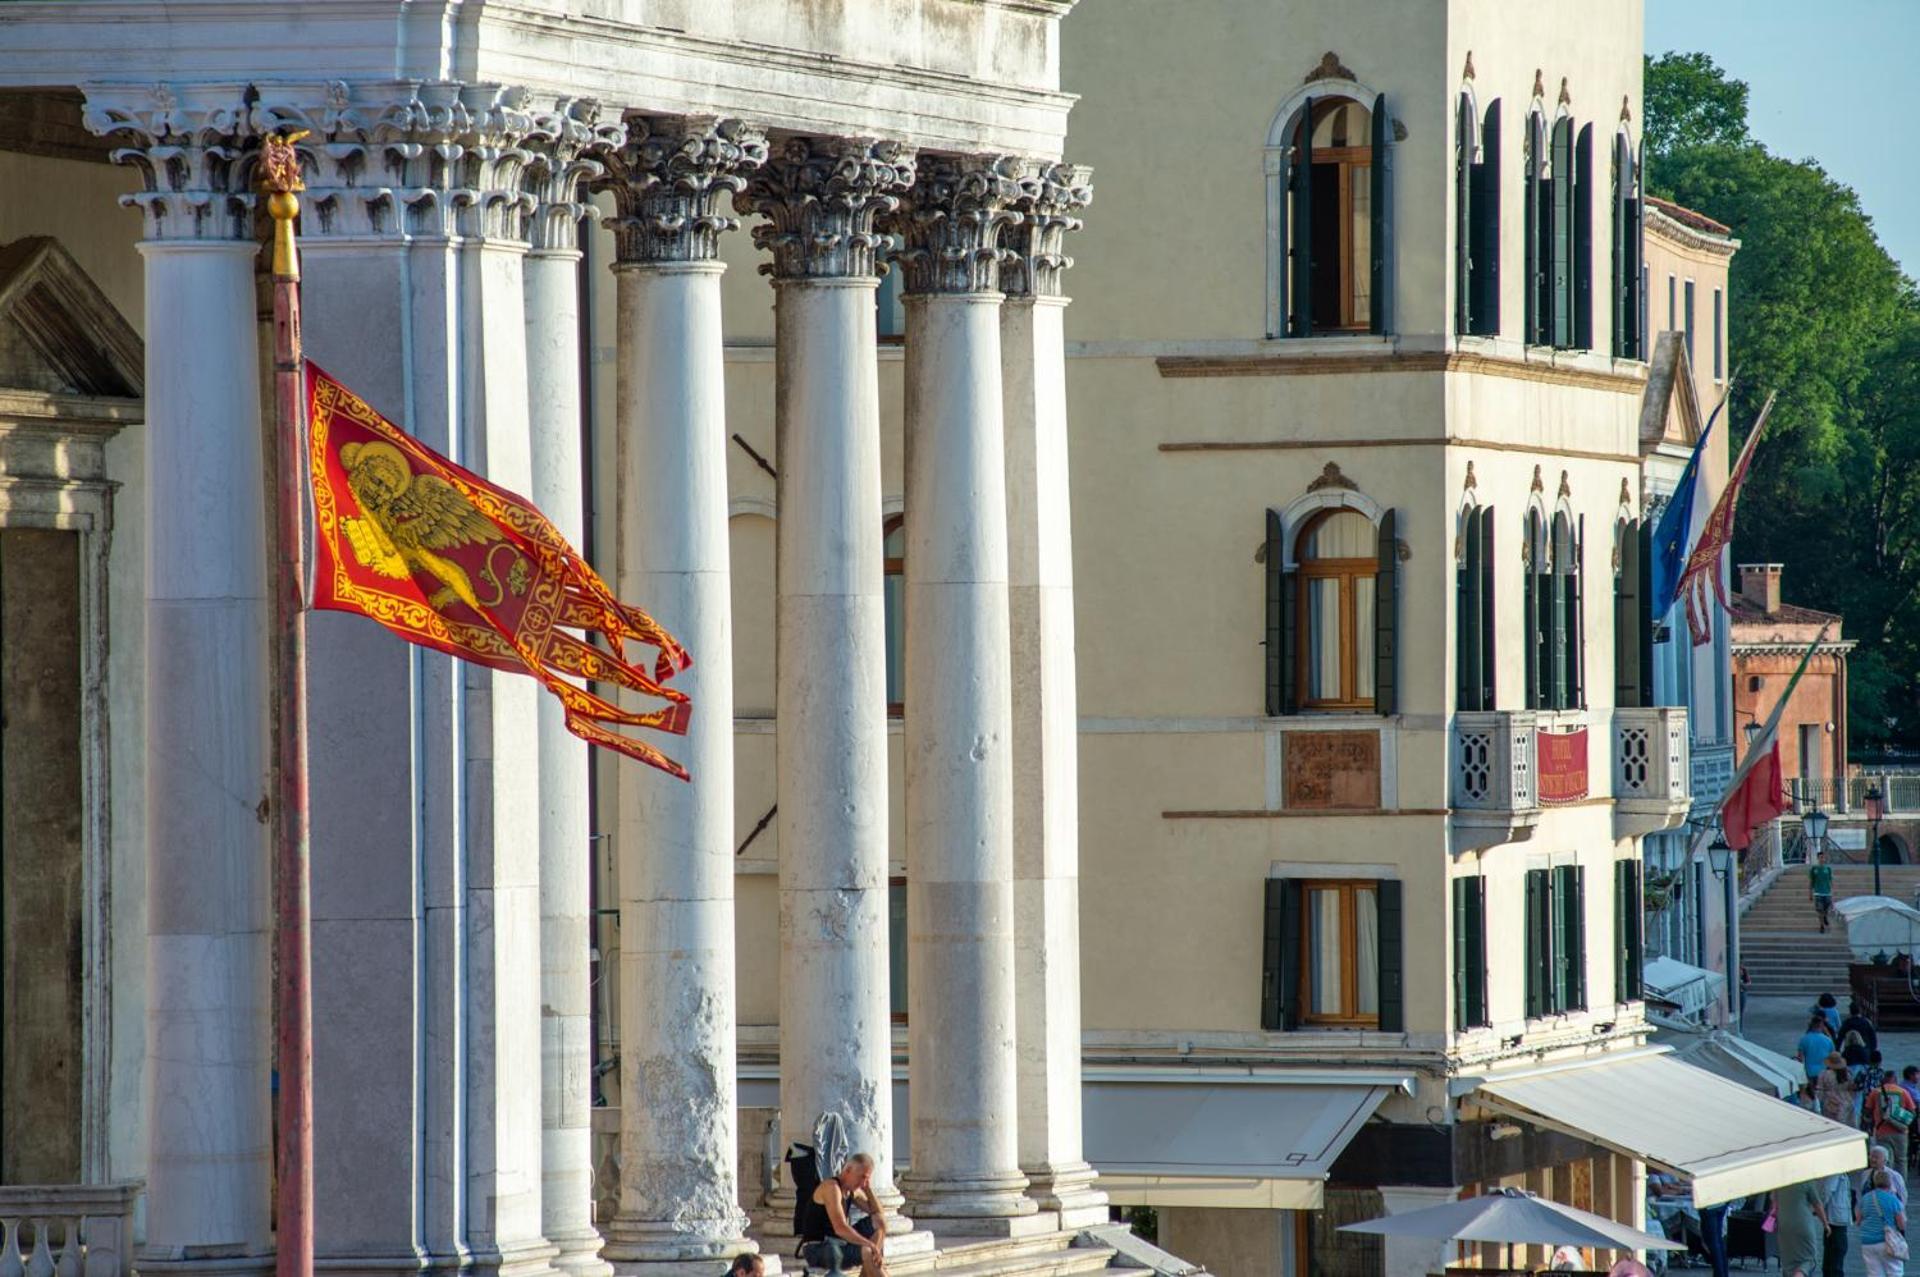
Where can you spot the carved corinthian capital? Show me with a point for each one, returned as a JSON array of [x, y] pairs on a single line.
[[393, 159], [820, 197], [1054, 195], [667, 182], [953, 221], [565, 142], [187, 142]]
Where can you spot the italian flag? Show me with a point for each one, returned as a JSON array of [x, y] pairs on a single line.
[[1756, 795]]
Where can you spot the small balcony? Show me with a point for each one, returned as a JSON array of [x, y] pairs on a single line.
[[1496, 797], [1652, 775]]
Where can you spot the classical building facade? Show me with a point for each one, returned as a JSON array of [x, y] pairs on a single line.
[[453, 278]]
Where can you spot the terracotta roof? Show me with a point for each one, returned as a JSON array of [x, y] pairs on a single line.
[[1687, 217], [1745, 613]]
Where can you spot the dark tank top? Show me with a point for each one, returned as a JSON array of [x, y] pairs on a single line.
[[815, 1224]]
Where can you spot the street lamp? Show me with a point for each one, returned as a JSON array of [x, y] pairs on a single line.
[[1721, 860], [1876, 803]]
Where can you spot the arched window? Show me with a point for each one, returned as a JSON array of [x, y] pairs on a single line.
[[1555, 612], [1337, 558], [894, 605], [1477, 219], [1559, 233], [1333, 223], [1533, 567], [1632, 612], [1474, 618], [1629, 275]]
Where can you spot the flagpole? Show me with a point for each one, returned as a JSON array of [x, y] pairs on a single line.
[[280, 179]]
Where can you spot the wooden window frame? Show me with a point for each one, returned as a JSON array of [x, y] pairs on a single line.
[[891, 566], [1344, 159], [1349, 1016], [1346, 571]]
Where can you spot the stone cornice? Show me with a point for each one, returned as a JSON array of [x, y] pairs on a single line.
[[1672, 228], [1303, 363], [668, 180], [953, 221], [188, 145], [1048, 209], [820, 197]]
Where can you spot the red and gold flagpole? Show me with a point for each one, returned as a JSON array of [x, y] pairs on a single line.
[[280, 181]]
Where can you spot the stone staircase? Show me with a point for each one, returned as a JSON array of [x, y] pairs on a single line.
[[1052, 1254], [1780, 941]]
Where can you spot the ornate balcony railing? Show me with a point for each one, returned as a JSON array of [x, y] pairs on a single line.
[[1495, 778], [1652, 778], [67, 1230]]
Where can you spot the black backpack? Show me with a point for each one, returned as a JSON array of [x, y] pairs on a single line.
[[805, 1169]]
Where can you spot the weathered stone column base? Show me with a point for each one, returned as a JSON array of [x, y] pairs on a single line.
[[1070, 1191], [689, 1248], [579, 1254], [529, 1259], [977, 1206]]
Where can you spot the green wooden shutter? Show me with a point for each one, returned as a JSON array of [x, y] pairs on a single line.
[[1276, 582], [1626, 313], [1290, 643], [1393, 1010], [1536, 325], [1626, 618], [1380, 301], [1530, 604], [1583, 240], [1559, 694], [1561, 217], [1577, 619], [1460, 1012], [1620, 930], [1636, 254], [1463, 216], [1635, 945], [1484, 247], [1643, 622], [1536, 943], [1574, 905], [1489, 653], [1300, 224], [1559, 942], [1280, 961], [1469, 953], [1466, 615], [1386, 611]]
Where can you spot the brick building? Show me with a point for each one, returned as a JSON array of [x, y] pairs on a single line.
[[1769, 635]]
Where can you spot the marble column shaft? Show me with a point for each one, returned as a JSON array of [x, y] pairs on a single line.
[[554, 397], [208, 965], [959, 730], [820, 198], [1046, 728], [679, 1188]]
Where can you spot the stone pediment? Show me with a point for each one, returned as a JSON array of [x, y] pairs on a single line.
[[1670, 410], [59, 334]]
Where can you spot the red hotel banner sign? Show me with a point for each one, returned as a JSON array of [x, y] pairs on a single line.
[[1563, 766]]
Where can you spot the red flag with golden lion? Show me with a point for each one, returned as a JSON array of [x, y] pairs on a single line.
[[446, 560]]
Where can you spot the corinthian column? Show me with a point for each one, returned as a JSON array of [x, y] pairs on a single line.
[[558, 168], [959, 732], [207, 1056], [820, 198], [679, 1191], [1046, 728]]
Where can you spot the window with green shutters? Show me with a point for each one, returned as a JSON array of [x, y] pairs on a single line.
[[1629, 270], [1583, 239], [1629, 929], [1476, 229], [1554, 612], [1469, 953], [1474, 612], [1537, 235], [1632, 614], [1332, 955], [1334, 219], [1555, 940], [1333, 613]]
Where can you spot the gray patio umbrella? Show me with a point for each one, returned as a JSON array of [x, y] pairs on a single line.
[[1516, 1217]]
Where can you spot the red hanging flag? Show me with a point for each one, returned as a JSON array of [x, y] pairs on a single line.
[[446, 560]]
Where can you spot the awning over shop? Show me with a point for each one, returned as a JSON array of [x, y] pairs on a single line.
[[1729, 1140], [1216, 1138], [1731, 1056], [1692, 989]]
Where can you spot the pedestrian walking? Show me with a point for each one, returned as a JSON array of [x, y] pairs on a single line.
[[1820, 889], [1890, 1120], [1883, 1226], [1799, 1219], [1828, 1009], [1837, 1198], [1834, 1092], [1858, 1021], [1816, 1044], [1877, 1162]]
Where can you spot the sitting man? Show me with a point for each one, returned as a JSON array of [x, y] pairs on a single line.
[[828, 1239]]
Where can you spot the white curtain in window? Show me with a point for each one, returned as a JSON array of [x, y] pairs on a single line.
[[1363, 638], [1323, 915], [1366, 951], [1362, 178], [1345, 535], [1323, 639]]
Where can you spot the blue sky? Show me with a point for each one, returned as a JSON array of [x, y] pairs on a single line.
[[1811, 69]]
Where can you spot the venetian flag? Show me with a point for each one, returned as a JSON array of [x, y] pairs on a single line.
[[1756, 795], [446, 560], [1702, 573]]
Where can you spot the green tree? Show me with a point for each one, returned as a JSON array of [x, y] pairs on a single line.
[[1821, 314], [1689, 101]]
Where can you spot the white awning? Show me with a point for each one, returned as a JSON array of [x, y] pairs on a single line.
[[1730, 1056], [1215, 1139], [1729, 1140], [1692, 989]]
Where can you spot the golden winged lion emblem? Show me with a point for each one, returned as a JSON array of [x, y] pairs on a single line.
[[408, 516]]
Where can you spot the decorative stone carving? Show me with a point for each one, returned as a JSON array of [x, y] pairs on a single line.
[[1330, 68], [1539, 484], [561, 167], [667, 182], [1626, 110], [1054, 195], [953, 221], [187, 144], [1626, 494], [1472, 481], [821, 197], [1330, 477], [1331, 771], [1539, 84], [1467, 73], [396, 158], [1566, 485], [1566, 98]]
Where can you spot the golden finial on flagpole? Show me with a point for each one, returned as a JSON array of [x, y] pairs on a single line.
[[280, 180]]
